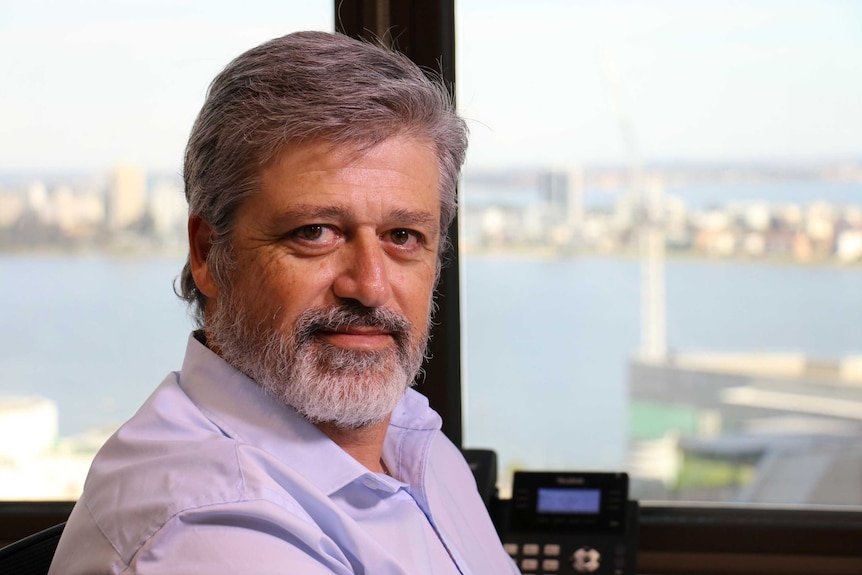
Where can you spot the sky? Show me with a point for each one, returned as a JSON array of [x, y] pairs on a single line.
[[87, 84], [693, 79]]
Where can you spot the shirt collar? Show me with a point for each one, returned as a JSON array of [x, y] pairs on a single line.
[[243, 411]]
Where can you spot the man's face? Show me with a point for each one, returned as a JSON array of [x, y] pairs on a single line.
[[328, 304]]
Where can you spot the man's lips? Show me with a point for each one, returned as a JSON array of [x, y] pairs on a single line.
[[357, 337]]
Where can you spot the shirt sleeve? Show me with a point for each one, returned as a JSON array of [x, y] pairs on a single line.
[[233, 538]]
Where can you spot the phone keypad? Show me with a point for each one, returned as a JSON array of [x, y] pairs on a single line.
[[535, 559]]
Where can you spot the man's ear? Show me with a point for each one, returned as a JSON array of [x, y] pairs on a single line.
[[200, 242]]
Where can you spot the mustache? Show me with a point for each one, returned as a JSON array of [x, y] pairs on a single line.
[[342, 316]]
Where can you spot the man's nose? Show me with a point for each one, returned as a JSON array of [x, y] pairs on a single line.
[[364, 277]]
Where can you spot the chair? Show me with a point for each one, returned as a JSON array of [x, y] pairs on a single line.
[[31, 555]]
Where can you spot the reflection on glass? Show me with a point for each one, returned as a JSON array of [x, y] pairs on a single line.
[[102, 97], [662, 243]]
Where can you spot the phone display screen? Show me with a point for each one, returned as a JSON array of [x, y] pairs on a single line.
[[568, 500]]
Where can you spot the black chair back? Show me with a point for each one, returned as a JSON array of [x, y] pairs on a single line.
[[31, 555]]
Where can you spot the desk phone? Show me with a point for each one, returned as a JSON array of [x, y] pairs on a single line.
[[568, 523]]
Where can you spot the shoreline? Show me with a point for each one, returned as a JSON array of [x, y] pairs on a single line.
[[518, 253], [547, 253]]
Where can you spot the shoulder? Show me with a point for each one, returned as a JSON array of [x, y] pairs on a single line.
[[166, 462]]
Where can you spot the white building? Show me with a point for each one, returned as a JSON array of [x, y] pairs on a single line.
[[127, 196]]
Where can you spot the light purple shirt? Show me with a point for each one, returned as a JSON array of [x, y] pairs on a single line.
[[213, 476]]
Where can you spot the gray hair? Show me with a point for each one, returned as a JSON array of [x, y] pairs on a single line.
[[307, 87]]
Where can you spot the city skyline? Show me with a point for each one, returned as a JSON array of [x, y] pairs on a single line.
[[816, 217]]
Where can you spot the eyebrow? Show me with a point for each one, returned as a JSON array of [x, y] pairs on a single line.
[[312, 212], [413, 217]]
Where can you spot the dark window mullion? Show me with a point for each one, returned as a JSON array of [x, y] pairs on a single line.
[[424, 30]]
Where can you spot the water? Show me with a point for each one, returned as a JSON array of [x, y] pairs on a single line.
[[545, 358], [546, 342], [95, 334]]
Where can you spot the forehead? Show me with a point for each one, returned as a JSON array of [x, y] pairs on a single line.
[[397, 172]]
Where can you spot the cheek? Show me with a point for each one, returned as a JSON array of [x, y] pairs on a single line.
[[287, 287], [268, 271], [264, 286], [415, 293]]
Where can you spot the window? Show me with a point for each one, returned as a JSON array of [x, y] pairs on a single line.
[[661, 244], [101, 101], [601, 102]]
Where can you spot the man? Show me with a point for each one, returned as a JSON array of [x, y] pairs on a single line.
[[320, 176]]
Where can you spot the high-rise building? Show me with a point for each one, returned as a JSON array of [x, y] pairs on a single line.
[[575, 207], [127, 196], [168, 210], [563, 190]]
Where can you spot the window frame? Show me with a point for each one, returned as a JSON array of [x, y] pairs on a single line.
[[424, 30], [705, 539]]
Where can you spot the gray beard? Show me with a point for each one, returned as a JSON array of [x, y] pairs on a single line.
[[349, 389]]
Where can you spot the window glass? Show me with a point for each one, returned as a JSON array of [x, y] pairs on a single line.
[[661, 235], [98, 101]]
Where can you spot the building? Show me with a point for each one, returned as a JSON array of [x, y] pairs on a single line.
[[127, 196]]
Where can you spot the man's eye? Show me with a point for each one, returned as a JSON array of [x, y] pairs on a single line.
[[312, 233], [403, 237]]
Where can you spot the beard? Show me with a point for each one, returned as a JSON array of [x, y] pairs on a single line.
[[347, 388]]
